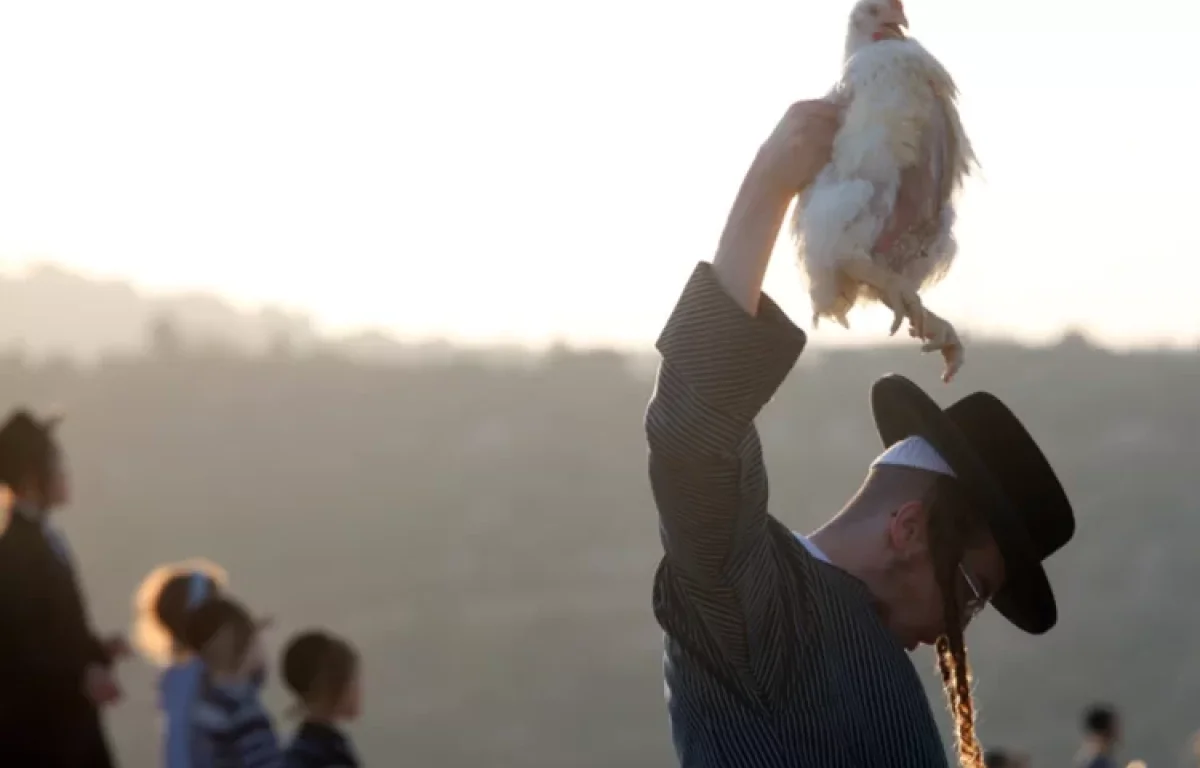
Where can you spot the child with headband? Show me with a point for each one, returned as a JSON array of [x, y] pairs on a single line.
[[230, 727], [163, 606]]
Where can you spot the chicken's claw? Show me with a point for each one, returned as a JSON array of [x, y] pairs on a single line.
[[890, 288], [940, 335], [905, 305], [838, 317]]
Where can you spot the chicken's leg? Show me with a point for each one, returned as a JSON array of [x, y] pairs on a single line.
[[940, 335], [893, 290], [840, 317]]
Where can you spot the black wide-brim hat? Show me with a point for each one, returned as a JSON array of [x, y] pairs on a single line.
[[1003, 471]]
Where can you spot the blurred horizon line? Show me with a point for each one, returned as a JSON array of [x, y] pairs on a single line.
[[820, 340]]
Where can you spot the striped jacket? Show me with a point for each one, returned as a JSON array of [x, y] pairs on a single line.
[[232, 729], [773, 658]]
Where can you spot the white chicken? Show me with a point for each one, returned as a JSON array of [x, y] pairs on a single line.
[[877, 223]]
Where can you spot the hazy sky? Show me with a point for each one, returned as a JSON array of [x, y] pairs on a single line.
[[543, 169]]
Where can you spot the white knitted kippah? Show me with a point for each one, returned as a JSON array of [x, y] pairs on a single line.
[[914, 452], [917, 453]]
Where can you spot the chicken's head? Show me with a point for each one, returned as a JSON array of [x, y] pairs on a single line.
[[874, 20]]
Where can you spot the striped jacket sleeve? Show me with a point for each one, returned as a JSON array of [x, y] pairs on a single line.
[[719, 367], [235, 731]]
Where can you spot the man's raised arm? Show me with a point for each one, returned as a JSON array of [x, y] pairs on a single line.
[[719, 367], [725, 350]]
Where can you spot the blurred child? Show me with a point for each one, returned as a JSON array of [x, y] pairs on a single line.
[[230, 726], [1102, 734], [322, 672], [162, 606]]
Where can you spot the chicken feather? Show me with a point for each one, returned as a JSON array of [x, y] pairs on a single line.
[[877, 222]]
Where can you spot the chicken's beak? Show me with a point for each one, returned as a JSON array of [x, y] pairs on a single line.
[[897, 26]]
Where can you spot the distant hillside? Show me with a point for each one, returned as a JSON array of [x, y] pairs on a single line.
[[485, 532], [49, 310]]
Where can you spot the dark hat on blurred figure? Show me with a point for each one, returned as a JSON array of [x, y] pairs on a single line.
[[24, 442]]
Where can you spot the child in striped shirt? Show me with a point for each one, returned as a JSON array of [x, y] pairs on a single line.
[[230, 726], [163, 605], [322, 671]]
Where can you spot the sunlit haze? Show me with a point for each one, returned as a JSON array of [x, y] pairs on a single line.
[[542, 170]]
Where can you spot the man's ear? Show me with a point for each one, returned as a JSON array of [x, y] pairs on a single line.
[[907, 529]]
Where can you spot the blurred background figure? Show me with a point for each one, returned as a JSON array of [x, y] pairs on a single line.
[[324, 674], [57, 672], [1002, 758], [1101, 734], [164, 605]]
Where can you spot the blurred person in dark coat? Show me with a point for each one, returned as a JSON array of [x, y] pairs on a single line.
[[1000, 758], [55, 673], [1101, 734]]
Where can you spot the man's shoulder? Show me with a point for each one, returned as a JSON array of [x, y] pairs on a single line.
[[797, 550], [679, 602]]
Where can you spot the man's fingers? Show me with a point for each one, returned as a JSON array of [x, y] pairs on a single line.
[[829, 111], [814, 116], [821, 107]]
